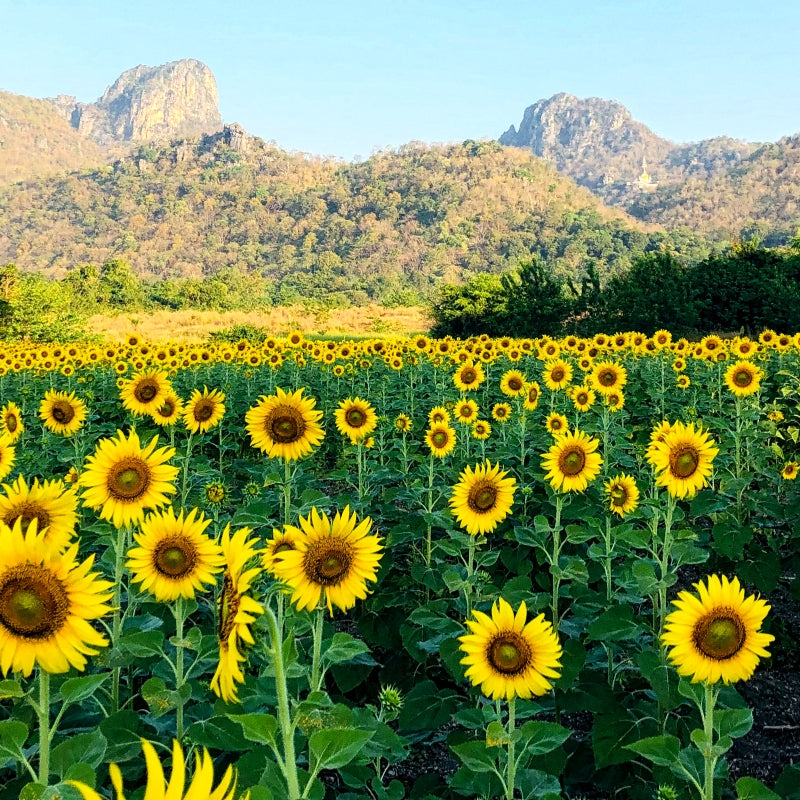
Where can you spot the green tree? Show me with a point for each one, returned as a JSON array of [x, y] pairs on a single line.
[[118, 286], [41, 311], [536, 300]]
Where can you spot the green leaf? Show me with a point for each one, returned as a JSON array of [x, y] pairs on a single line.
[[10, 688], [333, 748], [542, 737], [533, 783], [496, 735], [74, 690], [475, 757], [733, 722], [260, 728], [219, 733], [752, 789], [615, 624], [143, 644], [12, 737], [122, 732], [85, 748], [343, 648], [662, 750]]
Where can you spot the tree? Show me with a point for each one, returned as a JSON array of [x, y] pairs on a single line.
[[536, 302], [118, 286]]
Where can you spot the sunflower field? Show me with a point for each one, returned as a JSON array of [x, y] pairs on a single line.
[[396, 568]]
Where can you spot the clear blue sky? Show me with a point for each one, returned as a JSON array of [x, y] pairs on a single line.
[[345, 78]]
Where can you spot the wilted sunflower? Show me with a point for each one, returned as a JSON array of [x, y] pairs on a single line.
[[333, 560], [465, 412], [683, 460], [62, 413], [743, 378], [572, 462], [531, 396], [403, 423], [482, 498], [557, 374], [441, 439], [174, 558], [790, 469], [622, 494], [145, 391], [355, 418], [508, 657], [609, 377], [204, 410], [285, 425], [169, 411], [556, 424], [7, 456], [236, 610], [11, 422], [123, 480], [501, 412], [201, 786], [52, 506], [513, 383], [46, 601], [716, 637], [469, 376]]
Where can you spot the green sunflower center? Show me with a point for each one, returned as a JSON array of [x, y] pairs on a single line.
[[572, 461], [619, 496], [684, 462], [440, 438], [509, 653], [482, 497], [720, 635], [129, 479], [168, 409], [283, 547], [355, 417], [33, 601], [11, 423], [175, 557], [62, 412], [286, 425], [327, 562]]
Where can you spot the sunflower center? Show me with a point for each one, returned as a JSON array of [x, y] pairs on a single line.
[[203, 410], [283, 547], [62, 412], [533, 395], [582, 398], [328, 562], [27, 512], [175, 557], [146, 391], [168, 409], [509, 653], [468, 375], [33, 602], [557, 375], [515, 384], [618, 496], [607, 377], [440, 438], [742, 378], [684, 463], [355, 417], [482, 497], [11, 423], [129, 479], [572, 461], [285, 425], [719, 635]]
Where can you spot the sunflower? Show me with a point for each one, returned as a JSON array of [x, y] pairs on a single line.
[[441, 439], [281, 541], [615, 401], [683, 382], [46, 601], [716, 637], [743, 378], [52, 506], [466, 411], [608, 377], [403, 423], [174, 558], [355, 418], [62, 413], [438, 415], [513, 383], [556, 424], [204, 410], [481, 430], [572, 462], [582, 398], [144, 391], [683, 460], [123, 479], [333, 560], [11, 422], [469, 376], [508, 657], [285, 425], [557, 374], [169, 411], [501, 412], [236, 611], [7, 456], [622, 494], [482, 498], [532, 393], [200, 788], [744, 348], [790, 469]]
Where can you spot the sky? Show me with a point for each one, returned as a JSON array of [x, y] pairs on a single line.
[[351, 77]]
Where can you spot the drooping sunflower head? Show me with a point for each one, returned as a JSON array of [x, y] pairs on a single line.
[[204, 410], [47, 599], [469, 376], [281, 542], [512, 384], [556, 424], [11, 425], [441, 439], [124, 479], [715, 635], [482, 498], [355, 418], [608, 377], [572, 462], [285, 425], [507, 656], [62, 413], [466, 411], [743, 378], [145, 391], [531, 396], [557, 374], [683, 460], [333, 561], [173, 557], [622, 494]]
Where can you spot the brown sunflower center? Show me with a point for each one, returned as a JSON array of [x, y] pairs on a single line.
[[465, 412], [482, 497], [283, 547], [355, 417], [62, 412], [129, 479], [683, 463], [27, 512], [607, 377], [440, 438], [533, 394], [743, 378], [174, 557], [328, 562], [509, 653], [572, 461], [557, 374], [285, 425], [146, 390], [582, 398], [204, 410], [619, 496], [469, 375], [556, 424], [720, 634], [33, 601], [168, 409], [514, 383], [11, 423]]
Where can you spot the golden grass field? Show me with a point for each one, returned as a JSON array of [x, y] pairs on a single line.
[[372, 320]]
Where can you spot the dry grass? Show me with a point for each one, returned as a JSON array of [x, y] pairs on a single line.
[[370, 320]]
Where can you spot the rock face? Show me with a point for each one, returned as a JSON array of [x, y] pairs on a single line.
[[175, 100]]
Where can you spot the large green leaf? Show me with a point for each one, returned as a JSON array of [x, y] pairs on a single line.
[[74, 690], [662, 750], [85, 748], [333, 748]]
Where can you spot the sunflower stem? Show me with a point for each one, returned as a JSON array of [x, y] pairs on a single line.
[[664, 564], [287, 491], [184, 486], [316, 659], [554, 567], [512, 765], [429, 532], [43, 713], [116, 629], [708, 729], [180, 617], [470, 570]]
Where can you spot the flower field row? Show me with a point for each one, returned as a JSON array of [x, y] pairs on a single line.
[[303, 567]]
